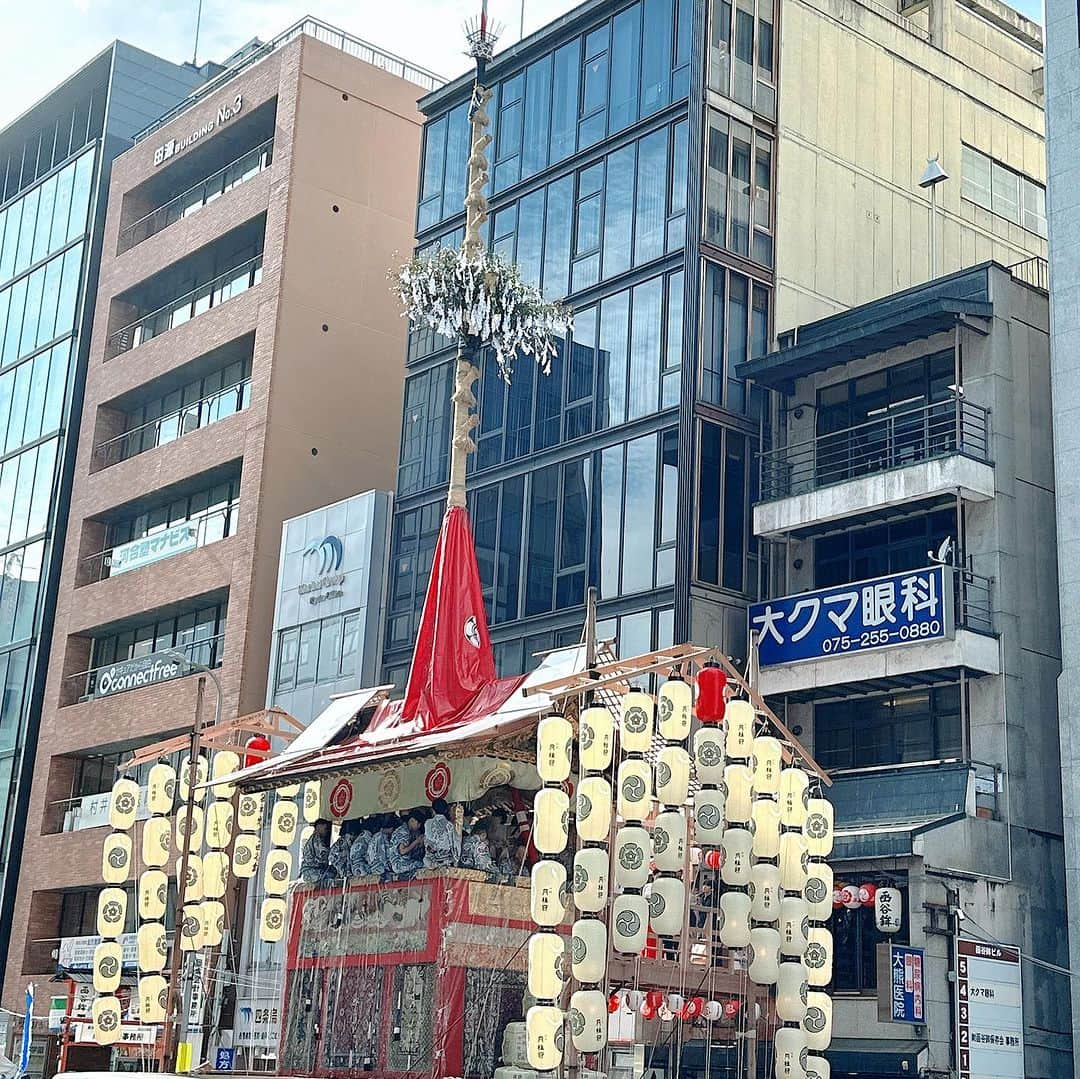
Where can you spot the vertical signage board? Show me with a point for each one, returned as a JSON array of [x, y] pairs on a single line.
[[989, 1011]]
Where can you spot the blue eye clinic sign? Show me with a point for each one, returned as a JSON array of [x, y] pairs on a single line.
[[903, 608]]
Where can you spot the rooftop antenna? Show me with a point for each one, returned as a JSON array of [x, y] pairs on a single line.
[[198, 25]]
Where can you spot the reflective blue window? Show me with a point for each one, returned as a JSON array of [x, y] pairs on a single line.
[[425, 428], [735, 318], [534, 155], [625, 60], [564, 104], [726, 551]]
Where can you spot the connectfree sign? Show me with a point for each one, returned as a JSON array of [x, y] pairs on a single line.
[[136, 673], [175, 146]]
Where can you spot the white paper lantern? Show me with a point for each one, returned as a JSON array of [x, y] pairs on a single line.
[[546, 965], [192, 930], [189, 830], [709, 758], [544, 1030], [791, 990], [789, 1048], [215, 874], [669, 841], [108, 962], [888, 908], [153, 892], [184, 776], [675, 708], [123, 804], [709, 816], [819, 956], [554, 744], [105, 1016], [818, 828], [245, 859], [672, 775], [193, 875], [596, 740], [547, 894], [219, 825], [629, 923], [284, 819], [633, 852], [161, 788], [156, 842], [153, 998], [288, 792], [593, 809], [766, 825], [551, 815], [636, 722], [588, 950], [818, 1068], [277, 872], [794, 785], [794, 925], [249, 812], [667, 906], [312, 802], [588, 1020], [734, 919], [739, 718], [764, 955], [225, 763], [212, 912], [793, 862], [111, 912], [767, 762], [714, 1010], [817, 1022], [591, 879], [272, 919], [765, 892], [738, 781], [635, 790], [153, 944], [116, 857], [737, 845], [818, 890]]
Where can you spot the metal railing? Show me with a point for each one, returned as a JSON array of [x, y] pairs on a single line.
[[197, 196], [893, 440], [1034, 271], [186, 307], [174, 425], [973, 600], [321, 31]]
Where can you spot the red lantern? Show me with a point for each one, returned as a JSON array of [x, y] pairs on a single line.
[[714, 859], [652, 947], [256, 742], [711, 683], [613, 1003], [731, 1009], [694, 1007], [648, 1011], [654, 998], [837, 901], [867, 893]]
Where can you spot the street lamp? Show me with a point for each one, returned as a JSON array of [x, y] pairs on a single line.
[[931, 177]]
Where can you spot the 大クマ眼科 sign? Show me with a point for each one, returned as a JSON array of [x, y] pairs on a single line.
[[989, 1011], [902, 608]]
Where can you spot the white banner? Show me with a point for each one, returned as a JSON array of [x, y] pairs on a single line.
[[141, 552], [77, 953]]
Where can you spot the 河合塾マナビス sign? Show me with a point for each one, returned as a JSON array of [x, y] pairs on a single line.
[[902, 608]]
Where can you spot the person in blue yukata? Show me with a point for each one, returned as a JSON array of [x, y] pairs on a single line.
[[340, 851], [407, 846], [377, 857], [315, 858], [442, 841], [366, 830]]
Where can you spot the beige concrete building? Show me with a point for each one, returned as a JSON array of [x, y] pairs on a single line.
[[246, 367]]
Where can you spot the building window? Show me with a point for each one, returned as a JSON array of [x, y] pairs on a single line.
[[318, 652], [425, 429], [199, 635], [738, 189], [856, 936], [442, 174], [1003, 191], [735, 327], [741, 58]]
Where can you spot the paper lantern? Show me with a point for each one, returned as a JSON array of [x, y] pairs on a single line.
[[633, 851], [818, 828], [791, 992], [737, 845], [547, 893], [192, 930], [161, 788], [591, 879], [669, 841], [818, 1068], [284, 819], [763, 955], [259, 746], [249, 812], [215, 874], [735, 919], [588, 1020], [675, 707], [793, 862], [767, 761], [245, 859], [184, 776], [713, 1010], [711, 703], [156, 842], [543, 1029], [794, 787], [596, 740], [116, 857], [655, 998], [673, 775], [867, 893], [635, 790], [888, 907], [629, 923], [709, 756], [738, 781], [667, 906], [794, 925], [189, 829], [105, 1016], [153, 998], [111, 912], [765, 816], [819, 956], [554, 743], [212, 913], [277, 871], [225, 763], [588, 950], [305, 834], [709, 816], [636, 722], [849, 897], [312, 801], [789, 1049], [818, 890], [153, 943], [674, 1003], [634, 999], [219, 825], [193, 877], [551, 815], [108, 961], [153, 893], [740, 729], [124, 805], [289, 791], [817, 1021], [764, 892], [272, 919], [592, 805]]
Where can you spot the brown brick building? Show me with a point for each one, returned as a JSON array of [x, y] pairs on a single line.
[[246, 366]]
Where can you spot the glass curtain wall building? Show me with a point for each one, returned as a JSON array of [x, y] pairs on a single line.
[[54, 160]]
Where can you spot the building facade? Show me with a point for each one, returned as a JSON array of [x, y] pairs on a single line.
[[911, 635], [245, 368], [54, 176]]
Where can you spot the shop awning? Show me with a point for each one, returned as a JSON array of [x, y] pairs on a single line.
[[869, 1058]]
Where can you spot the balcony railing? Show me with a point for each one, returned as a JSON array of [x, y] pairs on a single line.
[[1034, 271], [174, 425], [893, 440], [223, 287], [198, 196]]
